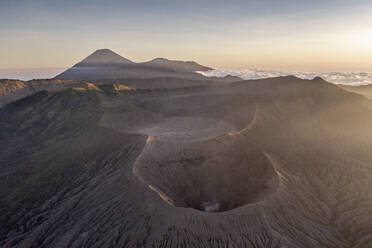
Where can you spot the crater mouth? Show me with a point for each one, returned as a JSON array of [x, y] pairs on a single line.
[[216, 175], [186, 129]]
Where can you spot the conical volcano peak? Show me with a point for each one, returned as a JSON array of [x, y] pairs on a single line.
[[106, 64], [104, 56]]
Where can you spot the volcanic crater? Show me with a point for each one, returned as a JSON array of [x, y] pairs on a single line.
[[197, 163]]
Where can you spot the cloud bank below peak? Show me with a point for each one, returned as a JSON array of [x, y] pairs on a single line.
[[344, 78]]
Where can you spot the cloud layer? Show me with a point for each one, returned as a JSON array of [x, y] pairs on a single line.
[[345, 78], [29, 74]]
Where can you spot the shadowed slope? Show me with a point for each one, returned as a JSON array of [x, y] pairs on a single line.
[[217, 175]]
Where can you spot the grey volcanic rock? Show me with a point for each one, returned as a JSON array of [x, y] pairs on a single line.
[[279, 162], [105, 64]]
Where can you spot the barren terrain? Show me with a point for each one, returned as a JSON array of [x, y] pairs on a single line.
[[280, 162]]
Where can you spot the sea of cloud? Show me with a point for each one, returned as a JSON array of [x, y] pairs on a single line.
[[345, 78], [29, 74]]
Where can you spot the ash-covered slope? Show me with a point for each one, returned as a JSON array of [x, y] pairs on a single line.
[[11, 90], [105, 64], [279, 162]]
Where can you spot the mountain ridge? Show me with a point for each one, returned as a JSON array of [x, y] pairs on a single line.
[[106, 64]]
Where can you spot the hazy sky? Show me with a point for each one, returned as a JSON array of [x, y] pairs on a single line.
[[316, 35]]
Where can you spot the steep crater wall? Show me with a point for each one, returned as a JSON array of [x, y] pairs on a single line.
[[215, 175]]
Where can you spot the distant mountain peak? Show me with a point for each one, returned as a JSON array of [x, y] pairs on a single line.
[[104, 50], [104, 57], [160, 59], [106, 64], [178, 65]]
